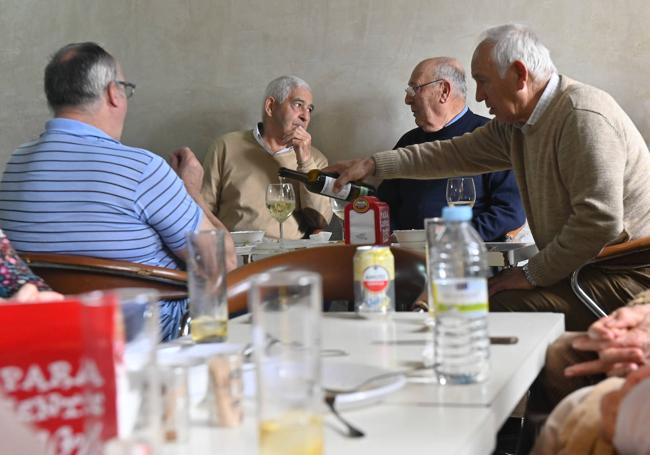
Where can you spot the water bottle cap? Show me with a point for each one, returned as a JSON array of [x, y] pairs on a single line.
[[457, 213]]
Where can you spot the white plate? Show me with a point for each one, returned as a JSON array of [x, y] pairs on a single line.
[[178, 353], [337, 375]]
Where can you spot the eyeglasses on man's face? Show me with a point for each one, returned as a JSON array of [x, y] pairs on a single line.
[[411, 91], [129, 88]]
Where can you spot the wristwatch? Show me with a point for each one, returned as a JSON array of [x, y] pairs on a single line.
[[528, 276]]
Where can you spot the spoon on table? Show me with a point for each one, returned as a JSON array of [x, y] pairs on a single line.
[[352, 431]]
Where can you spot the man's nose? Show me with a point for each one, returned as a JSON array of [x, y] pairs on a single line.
[[408, 99], [480, 96]]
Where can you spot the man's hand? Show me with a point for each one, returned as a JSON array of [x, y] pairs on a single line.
[[622, 341], [188, 168], [300, 140], [30, 293], [512, 278], [351, 170], [611, 402]]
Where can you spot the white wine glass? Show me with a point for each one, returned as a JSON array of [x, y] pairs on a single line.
[[338, 207], [281, 202], [461, 191]]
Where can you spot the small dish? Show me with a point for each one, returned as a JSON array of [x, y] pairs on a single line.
[[322, 236], [410, 235], [247, 237]]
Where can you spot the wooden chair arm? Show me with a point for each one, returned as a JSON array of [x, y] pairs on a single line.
[[625, 247], [70, 274], [119, 267], [627, 254]]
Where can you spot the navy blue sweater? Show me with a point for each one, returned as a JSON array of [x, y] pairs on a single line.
[[497, 209]]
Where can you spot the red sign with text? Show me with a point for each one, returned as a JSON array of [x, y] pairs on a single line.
[[57, 368]]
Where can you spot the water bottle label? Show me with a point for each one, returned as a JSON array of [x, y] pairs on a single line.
[[328, 189], [468, 296]]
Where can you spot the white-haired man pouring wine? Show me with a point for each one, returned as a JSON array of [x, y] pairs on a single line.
[[580, 163]]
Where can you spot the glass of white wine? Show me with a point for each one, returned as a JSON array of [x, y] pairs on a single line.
[[461, 191], [281, 202]]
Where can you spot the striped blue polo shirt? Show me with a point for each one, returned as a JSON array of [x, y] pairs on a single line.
[[76, 190]]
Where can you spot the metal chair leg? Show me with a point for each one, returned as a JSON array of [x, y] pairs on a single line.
[[584, 297]]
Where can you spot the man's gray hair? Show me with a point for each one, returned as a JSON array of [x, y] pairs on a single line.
[[450, 70], [77, 75], [279, 88], [517, 42]]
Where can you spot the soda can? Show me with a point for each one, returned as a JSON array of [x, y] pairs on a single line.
[[374, 280]]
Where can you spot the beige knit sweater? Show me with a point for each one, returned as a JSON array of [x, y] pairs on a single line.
[[583, 171], [237, 173]]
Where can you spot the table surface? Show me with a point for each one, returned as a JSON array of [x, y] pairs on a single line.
[[459, 419]]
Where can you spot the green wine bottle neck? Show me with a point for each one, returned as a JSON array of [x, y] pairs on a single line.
[[289, 173]]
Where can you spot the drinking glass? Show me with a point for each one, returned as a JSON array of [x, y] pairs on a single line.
[[338, 207], [461, 191], [121, 333], [206, 268], [281, 202], [286, 340]]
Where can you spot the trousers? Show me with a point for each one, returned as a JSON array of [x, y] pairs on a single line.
[[611, 288]]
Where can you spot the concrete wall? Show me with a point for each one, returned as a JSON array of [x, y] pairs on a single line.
[[201, 65]]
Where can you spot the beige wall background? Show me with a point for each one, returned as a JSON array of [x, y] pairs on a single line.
[[201, 66]]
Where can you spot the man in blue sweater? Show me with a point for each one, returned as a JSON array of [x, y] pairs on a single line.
[[436, 94]]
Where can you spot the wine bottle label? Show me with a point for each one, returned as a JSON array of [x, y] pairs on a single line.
[[328, 189]]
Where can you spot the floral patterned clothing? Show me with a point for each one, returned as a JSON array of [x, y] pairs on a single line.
[[14, 273]]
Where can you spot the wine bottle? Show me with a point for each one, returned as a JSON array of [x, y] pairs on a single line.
[[320, 182]]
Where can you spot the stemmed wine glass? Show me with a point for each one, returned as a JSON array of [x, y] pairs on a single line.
[[281, 202], [338, 207], [461, 191]]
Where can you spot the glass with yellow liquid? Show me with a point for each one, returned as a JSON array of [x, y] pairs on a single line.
[[286, 339], [294, 433], [280, 202], [206, 269]]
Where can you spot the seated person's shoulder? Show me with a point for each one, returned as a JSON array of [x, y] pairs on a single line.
[[581, 96], [319, 157], [145, 156], [232, 140]]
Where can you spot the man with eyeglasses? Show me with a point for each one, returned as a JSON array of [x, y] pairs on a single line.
[[240, 165], [436, 94], [78, 190], [580, 162]]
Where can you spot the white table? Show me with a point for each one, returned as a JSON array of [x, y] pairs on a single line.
[[420, 417]]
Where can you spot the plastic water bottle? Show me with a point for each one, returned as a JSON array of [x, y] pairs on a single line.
[[457, 268]]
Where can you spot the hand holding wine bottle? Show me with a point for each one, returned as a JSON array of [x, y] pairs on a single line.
[[319, 182]]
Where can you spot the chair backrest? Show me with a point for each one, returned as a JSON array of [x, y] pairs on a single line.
[[70, 274], [626, 255], [334, 264]]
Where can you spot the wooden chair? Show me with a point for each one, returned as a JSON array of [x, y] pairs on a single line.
[[70, 274], [627, 255], [334, 264]]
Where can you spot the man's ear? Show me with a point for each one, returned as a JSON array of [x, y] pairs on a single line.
[[446, 91], [113, 92], [521, 72], [269, 105]]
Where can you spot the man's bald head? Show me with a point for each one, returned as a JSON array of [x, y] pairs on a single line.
[[437, 92]]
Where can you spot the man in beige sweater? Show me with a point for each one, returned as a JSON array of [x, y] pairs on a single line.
[[580, 163], [240, 165]]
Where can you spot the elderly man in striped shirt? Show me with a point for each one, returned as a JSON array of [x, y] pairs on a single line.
[[78, 190]]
